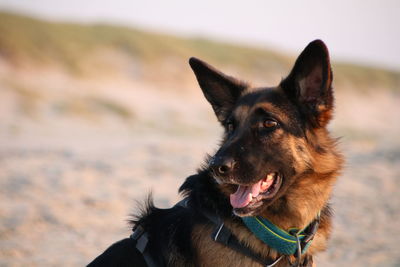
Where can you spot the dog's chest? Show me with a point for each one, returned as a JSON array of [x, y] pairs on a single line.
[[210, 253]]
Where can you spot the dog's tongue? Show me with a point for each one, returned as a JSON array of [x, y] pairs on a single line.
[[243, 195]]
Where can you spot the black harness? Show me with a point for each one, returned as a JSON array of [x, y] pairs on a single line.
[[222, 235], [141, 239]]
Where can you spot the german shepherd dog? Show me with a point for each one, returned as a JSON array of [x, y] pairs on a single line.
[[263, 198]]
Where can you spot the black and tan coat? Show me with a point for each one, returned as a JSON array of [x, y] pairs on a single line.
[[275, 141]]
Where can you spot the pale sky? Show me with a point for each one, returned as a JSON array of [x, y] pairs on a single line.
[[364, 31]]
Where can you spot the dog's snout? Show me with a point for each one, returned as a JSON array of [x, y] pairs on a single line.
[[223, 166]]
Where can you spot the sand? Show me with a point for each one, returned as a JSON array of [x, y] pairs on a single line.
[[72, 169]]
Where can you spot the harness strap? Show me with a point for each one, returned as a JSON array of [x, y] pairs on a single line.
[[224, 236], [141, 239]]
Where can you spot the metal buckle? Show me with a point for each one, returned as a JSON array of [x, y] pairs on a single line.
[[218, 232], [298, 252], [137, 232], [275, 262]]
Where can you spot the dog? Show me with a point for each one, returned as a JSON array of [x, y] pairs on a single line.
[[263, 198]]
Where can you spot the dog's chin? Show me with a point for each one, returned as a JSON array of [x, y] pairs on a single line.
[[252, 199], [248, 211]]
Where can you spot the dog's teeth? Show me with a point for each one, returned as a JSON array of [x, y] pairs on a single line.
[[270, 177]]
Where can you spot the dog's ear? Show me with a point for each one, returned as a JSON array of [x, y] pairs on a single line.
[[220, 90], [309, 83]]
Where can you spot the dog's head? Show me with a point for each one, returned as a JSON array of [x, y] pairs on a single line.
[[272, 134]]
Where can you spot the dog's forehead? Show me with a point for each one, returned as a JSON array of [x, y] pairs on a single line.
[[269, 99]]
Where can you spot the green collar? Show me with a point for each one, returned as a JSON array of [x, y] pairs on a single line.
[[285, 242]]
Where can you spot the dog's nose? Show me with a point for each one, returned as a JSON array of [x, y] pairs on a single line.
[[223, 166]]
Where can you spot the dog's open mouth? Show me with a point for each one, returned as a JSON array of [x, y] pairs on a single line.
[[251, 195]]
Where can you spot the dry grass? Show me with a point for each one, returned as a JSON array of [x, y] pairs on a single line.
[[75, 47]]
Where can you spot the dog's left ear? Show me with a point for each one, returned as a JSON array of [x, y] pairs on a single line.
[[309, 83], [222, 91]]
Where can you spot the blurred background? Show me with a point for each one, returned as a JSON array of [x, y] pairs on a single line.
[[98, 106]]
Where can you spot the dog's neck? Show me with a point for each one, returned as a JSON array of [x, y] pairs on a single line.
[[297, 210]]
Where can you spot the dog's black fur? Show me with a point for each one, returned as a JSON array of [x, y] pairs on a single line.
[[286, 135]]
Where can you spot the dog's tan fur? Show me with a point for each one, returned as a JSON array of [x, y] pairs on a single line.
[[272, 134], [306, 197]]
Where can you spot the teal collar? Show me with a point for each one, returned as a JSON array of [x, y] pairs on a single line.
[[285, 242]]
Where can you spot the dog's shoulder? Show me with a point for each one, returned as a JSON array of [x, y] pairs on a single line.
[[169, 230], [121, 253]]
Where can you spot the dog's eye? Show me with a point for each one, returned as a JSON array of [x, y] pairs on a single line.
[[230, 127], [270, 124]]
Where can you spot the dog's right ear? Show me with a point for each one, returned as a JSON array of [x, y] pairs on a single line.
[[220, 90]]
